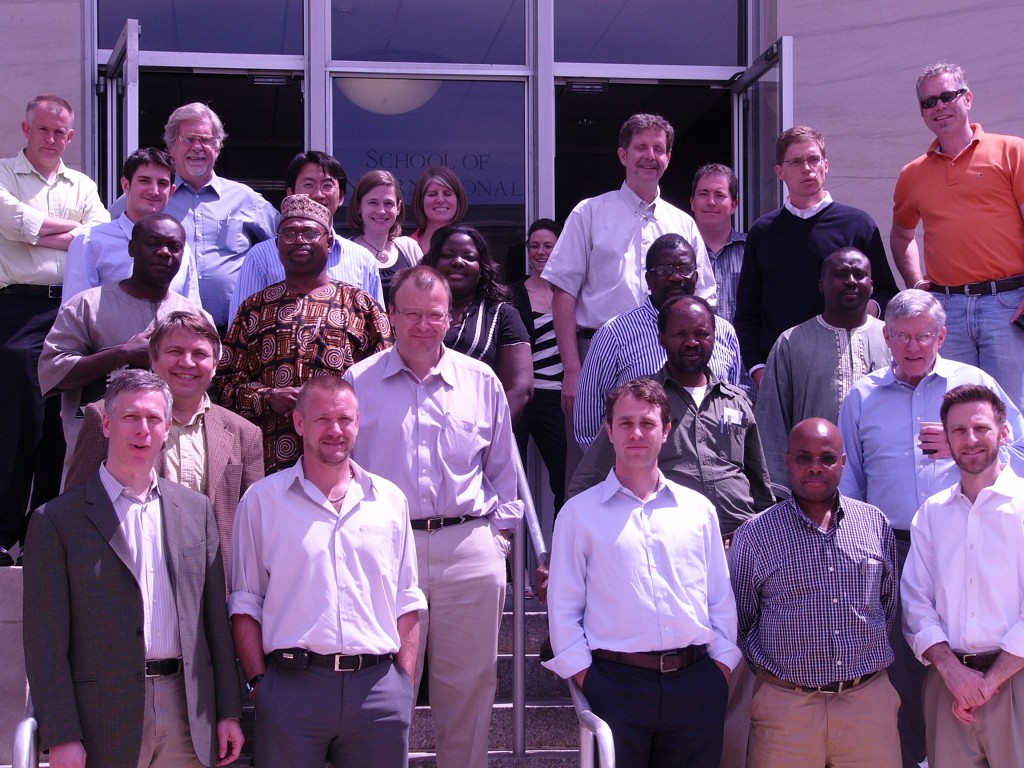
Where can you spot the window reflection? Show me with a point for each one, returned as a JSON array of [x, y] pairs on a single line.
[[474, 128], [466, 31], [650, 32], [226, 26]]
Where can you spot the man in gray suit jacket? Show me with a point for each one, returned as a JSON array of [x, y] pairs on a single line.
[[210, 449], [127, 643]]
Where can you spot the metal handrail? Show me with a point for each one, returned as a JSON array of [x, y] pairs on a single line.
[[26, 741], [593, 730], [532, 525]]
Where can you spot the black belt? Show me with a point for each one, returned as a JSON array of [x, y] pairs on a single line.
[[901, 535], [47, 291], [437, 523], [661, 661], [300, 658], [585, 333], [837, 687], [984, 288], [163, 667], [978, 661]]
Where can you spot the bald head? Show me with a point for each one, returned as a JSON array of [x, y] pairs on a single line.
[[815, 461]]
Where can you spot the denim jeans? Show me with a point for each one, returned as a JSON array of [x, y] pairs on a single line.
[[979, 332]]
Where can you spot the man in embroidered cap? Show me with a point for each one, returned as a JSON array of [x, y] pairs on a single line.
[[307, 325]]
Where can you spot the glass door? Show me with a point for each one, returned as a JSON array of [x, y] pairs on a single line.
[[763, 109], [120, 112]]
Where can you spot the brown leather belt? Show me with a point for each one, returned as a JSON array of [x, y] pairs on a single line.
[[978, 661], [660, 661], [837, 687], [984, 288]]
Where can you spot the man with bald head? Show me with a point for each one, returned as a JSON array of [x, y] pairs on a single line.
[[815, 583], [812, 366]]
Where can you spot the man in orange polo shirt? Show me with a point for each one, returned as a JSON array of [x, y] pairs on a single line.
[[968, 192]]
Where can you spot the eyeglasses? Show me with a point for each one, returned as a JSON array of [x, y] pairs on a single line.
[[828, 460], [207, 141], [667, 270], [416, 316], [799, 162], [945, 97], [924, 339], [307, 236]]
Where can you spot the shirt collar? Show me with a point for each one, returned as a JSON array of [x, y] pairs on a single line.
[[204, 406], [394, 364], [611, 486], [22, 165], [807, 213], [801, 516], [114, 488], [943, 368], [637, 205], [214, 184], [977, 134], [360, 488]]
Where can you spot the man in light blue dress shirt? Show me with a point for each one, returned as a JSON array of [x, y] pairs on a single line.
[[222, 218]]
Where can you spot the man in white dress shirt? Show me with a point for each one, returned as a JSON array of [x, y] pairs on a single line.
[[962, 593], [323, 586], [640, 608]]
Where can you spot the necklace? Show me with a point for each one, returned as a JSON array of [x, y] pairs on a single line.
[[338, 499], [383, 254]]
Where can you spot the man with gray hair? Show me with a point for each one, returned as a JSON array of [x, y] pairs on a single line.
[[222, 218], [43, 206], [898, 455], [127, 644], [967, 191]]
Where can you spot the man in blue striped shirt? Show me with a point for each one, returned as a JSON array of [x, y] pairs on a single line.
[[815, 584], [627, 347]]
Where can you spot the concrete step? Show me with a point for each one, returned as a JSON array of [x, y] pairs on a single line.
[[545, 758], [540, 683], [549, 725], [536, 631]]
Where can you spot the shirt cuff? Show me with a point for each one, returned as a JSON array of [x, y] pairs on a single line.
[[570, 661], [246, 603]]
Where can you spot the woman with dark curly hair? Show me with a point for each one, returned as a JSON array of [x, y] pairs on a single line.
[[485, 325]]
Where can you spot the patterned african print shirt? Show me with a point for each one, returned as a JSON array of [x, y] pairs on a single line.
[[282, 339]]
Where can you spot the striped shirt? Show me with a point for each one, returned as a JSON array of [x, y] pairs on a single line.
[[815, 606], [547, 363], [142, 526], [726, 265], [627, 348]]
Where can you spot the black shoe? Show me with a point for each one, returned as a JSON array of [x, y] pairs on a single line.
[[5, 558]]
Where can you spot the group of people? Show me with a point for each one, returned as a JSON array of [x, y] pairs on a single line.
[[297, 451]]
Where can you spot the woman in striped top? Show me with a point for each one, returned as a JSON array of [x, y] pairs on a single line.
[[543, 420]]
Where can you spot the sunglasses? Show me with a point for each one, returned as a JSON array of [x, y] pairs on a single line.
[[945, 97]]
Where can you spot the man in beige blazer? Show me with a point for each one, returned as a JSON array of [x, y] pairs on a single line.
[[127, 643], [184, 350]]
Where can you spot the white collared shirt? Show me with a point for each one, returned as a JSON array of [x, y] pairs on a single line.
[[806, 213], [142, 526], [320, 579], [963, 582], [633, 576]]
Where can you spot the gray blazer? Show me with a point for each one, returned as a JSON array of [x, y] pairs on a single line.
[[84, 644]]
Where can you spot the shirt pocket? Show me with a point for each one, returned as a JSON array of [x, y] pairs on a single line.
[[461, 443], [871, 570]]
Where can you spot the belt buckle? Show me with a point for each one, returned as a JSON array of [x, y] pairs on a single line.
[[967, 289], [965, 656], [53, 292], [430, 523], [674, 655], [338, 668], [155, 674]]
